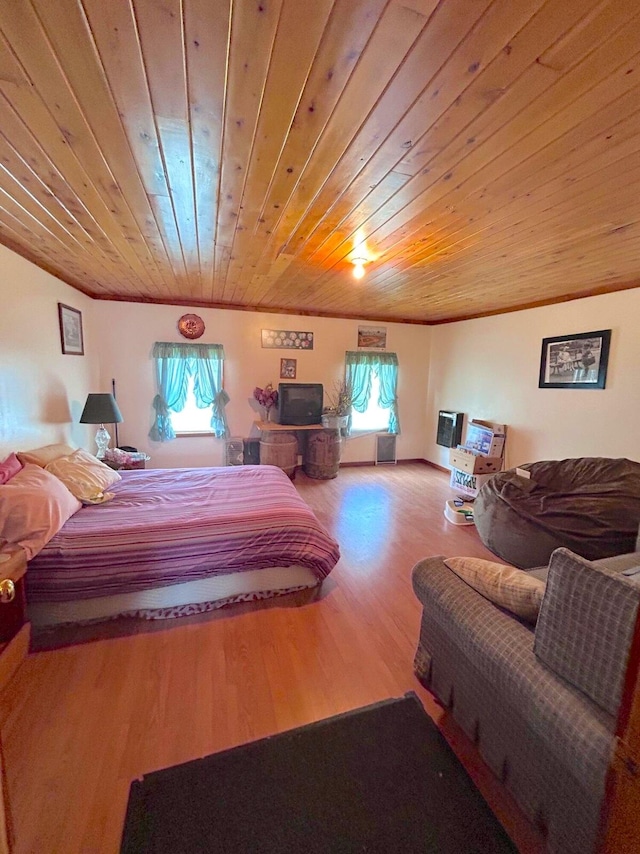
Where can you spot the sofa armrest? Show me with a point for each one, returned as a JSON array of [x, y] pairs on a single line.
[[585, 626], [500, 649]]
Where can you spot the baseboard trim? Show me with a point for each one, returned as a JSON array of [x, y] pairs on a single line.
[[437, 466], [398, 462]]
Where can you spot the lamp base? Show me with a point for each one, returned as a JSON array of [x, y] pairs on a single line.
[[102, 441]]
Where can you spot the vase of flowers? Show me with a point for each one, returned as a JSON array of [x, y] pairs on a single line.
[[335, 416], [267, 397]]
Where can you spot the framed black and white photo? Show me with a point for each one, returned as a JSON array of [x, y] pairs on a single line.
[[575, 361], [71, 339]]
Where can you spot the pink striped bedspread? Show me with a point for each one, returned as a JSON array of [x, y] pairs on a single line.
[[167, 526]]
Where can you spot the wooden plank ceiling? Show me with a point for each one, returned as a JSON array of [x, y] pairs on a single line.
[[483, 156]]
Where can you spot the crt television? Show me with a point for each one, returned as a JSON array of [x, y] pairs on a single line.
[[299, 403]]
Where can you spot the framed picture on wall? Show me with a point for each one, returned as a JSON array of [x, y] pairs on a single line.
[[372, 337], [70, 320], [575, 361], [288, 369]]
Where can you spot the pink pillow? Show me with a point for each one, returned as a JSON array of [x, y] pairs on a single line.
[[9, 467], [34, 505]]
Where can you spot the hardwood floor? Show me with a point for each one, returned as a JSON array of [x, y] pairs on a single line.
[[81, 721]]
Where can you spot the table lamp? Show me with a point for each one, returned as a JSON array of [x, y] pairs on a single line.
[[101, 409]]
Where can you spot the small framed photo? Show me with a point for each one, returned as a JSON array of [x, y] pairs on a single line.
[[372, 337], [71, 339], [288, 369], [575, 361]]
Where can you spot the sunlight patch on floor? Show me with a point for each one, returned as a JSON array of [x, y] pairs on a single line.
[[364, 523]]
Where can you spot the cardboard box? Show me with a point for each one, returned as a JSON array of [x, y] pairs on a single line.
[[467, 484], [486, 437], [473, 462]]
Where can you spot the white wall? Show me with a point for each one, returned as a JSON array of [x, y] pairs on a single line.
[[488, 369], [42, 391], [127, 332]]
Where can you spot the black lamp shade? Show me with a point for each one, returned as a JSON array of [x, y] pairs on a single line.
[[101, 409]]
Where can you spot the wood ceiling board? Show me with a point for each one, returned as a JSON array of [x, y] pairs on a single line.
[[29, 99], [408, 126], [527, 208], [161, 23], [42, 144], [476, 171], [207, 33], [115, 32], [467, 119], [291, 60], [377, 64], [339, 96], [218, 152], [61, 59], [549, 103]]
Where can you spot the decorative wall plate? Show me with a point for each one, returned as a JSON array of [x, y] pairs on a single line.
[[191, 326]]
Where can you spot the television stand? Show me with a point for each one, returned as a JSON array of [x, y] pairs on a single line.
[[288, 428], [321, 451]]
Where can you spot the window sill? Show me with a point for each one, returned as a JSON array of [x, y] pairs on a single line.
[[195, 435]]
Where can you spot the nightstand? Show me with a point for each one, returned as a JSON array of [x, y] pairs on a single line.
[[14, 645], [14, 628]]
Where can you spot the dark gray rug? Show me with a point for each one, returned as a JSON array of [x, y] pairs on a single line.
[[380, 779]]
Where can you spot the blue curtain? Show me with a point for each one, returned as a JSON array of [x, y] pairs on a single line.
[[387, 399], [175, 363], [207, 387], [359, 369]]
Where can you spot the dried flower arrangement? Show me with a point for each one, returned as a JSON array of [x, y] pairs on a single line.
[[340, 400], [267, 396]]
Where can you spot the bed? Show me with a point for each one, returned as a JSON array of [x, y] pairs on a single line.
[[174, 542]]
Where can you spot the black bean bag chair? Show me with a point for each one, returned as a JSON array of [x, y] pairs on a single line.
[[590, 505]]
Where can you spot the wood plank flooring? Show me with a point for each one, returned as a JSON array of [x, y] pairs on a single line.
[[81, 721]]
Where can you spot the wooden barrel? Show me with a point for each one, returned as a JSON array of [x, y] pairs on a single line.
[[322, 459], [279, 449]]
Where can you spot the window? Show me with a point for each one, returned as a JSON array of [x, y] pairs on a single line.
[[373, 379], [374, 417], [191, 418], [190, 395]]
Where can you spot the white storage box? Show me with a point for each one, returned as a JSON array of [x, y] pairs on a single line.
[[459, 515], [467, 484]]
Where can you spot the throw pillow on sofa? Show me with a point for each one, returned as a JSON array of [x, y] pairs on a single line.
[[586, 625], [504, 585]]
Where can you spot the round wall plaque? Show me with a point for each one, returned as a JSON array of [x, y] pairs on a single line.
[[191, 326]]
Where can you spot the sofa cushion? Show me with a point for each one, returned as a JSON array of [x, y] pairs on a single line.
[[585, 626], [506, 586]]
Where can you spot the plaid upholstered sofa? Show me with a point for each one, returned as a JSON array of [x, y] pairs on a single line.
[[539, 701]]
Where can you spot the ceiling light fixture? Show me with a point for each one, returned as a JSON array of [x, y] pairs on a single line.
[[358, 266]]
